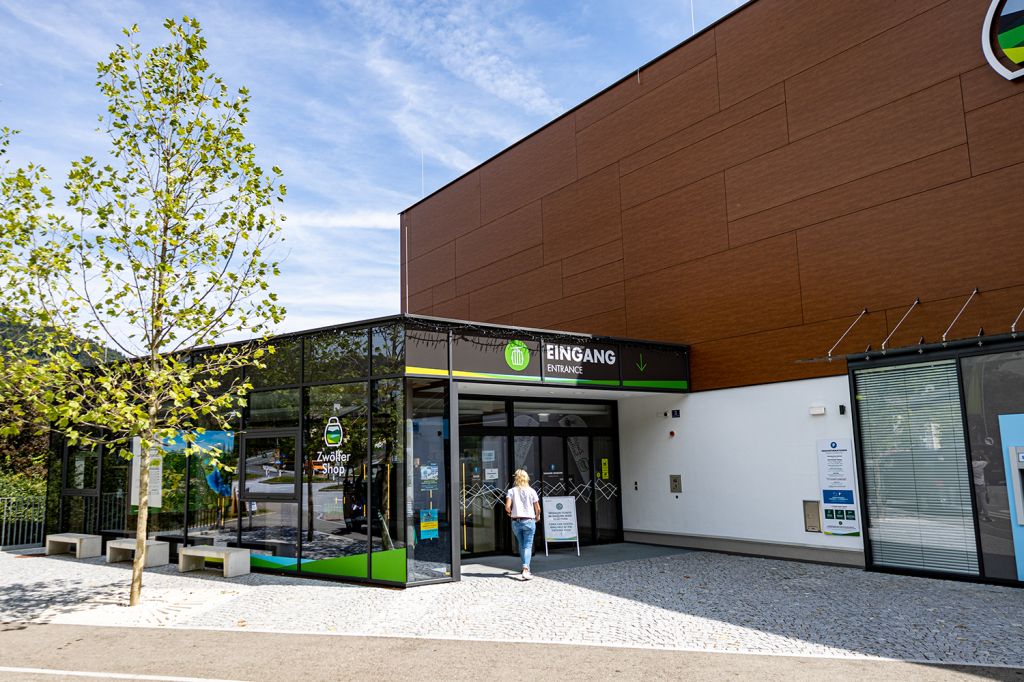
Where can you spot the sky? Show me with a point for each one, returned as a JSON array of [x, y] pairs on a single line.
[[366, 105]]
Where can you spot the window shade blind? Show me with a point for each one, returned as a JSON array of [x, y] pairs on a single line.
[[915, 468]]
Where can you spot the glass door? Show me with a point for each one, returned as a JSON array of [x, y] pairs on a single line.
[[484, 475]]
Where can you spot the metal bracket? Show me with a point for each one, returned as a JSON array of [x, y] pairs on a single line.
[[917, 301], [836, 344], [962, 309]]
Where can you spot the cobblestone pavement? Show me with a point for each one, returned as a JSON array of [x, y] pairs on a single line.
[[692, 601]]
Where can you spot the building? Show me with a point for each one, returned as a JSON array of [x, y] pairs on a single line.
[[808, 209], [751, 193]]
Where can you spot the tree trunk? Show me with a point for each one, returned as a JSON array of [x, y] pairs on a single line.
[[140, 527]]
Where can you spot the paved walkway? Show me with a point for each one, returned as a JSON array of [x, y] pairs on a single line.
[[686, 601]]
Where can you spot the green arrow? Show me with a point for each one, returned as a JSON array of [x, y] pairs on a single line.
[[641, 365]]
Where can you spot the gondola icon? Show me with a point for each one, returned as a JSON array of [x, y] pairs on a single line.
[[1002, 38], [333, 433]]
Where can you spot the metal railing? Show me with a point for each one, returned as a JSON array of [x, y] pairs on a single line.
[[22, 522]]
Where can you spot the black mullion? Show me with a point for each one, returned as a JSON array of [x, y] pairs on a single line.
[[369, 454], [970, 466]]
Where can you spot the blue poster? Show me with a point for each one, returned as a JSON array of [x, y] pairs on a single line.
[[1011, 431], [428, 524]]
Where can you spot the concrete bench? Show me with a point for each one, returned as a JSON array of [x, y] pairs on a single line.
[[236, 559], [157, 553], [85, 546]]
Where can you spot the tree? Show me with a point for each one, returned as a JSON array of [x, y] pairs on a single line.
[[167, 251]]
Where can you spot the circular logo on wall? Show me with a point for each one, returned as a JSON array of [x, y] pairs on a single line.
[[517, 355], [1002, 37]]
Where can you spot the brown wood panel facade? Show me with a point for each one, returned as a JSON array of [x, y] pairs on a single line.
[[750, 192]]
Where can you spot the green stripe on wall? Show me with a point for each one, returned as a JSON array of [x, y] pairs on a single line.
[[592, 382], [678, 384]]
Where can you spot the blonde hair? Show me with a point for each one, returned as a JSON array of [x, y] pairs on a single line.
[[522, 479]]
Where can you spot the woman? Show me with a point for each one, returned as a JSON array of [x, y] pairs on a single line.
[[523, 505]]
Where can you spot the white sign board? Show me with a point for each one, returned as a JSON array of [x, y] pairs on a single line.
[[560, 521], [156, 475], [838, 484]]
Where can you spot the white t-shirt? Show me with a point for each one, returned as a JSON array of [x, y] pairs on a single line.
[[522, 502]]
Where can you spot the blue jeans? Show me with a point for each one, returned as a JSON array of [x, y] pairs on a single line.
[[524, 531]]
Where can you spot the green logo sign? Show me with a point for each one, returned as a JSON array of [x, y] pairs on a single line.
[[517, 355]]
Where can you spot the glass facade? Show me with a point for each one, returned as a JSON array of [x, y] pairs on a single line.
[[941, 447], [339, 463]]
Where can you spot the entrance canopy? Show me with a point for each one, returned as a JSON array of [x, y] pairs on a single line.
[[466, 351]]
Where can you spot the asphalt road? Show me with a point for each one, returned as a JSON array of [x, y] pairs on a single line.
[[48, 652]]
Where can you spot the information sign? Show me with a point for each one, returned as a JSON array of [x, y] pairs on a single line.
[[428, 524], [156, 475], [838, 483], [560, 521]]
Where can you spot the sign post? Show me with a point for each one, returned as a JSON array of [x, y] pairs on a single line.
[[560, 521]]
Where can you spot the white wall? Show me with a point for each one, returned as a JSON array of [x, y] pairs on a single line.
[[747, 457]]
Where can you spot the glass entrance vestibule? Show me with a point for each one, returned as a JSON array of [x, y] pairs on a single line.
[[940, 441], [569, 448], [363, 453]]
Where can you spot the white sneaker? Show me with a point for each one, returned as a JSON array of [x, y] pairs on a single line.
[[526, 574]]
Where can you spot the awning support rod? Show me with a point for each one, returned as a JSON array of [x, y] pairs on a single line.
[[1013, 327], [966, 303], [836, 344], [913, 305]]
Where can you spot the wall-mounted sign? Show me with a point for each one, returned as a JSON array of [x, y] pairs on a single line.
[[430, 475], [500, 359], [558, 360], [645, 367], [838, 483], [1002, 37], [579, 364]]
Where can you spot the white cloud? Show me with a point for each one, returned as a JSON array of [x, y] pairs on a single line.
[[466, 41]]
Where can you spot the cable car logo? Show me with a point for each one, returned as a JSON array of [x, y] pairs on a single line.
[[333, 433], [517, 355], [1002, 38]]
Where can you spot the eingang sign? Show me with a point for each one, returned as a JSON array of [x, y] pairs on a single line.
[[562, 361]]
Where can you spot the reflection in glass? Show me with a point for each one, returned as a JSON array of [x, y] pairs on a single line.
[[282, 366], [429, 525], [606, 489], [270, 465], [388, 350], [561, 415], [270, 533], [387, 482], [80, 473], [213, 495], [484, 475], [334, 483], [992, 389], [483, 412], [78, 514], [273, 409], [337, 355]]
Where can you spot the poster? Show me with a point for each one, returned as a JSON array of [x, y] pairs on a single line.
[[487, 455], [560, 519], [156, 476], [429, 476], [490, 474], [838, 485], [428, 524]]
